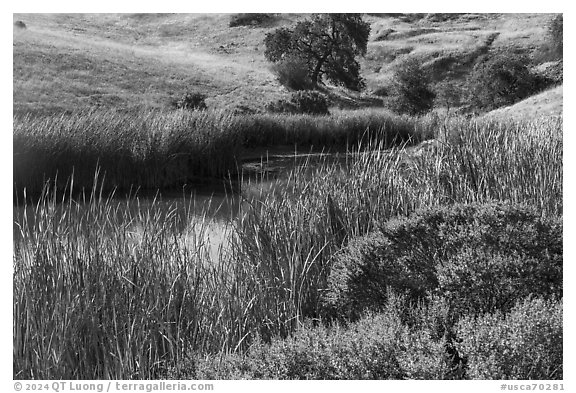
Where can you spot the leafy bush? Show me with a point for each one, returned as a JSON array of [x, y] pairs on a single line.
[[480, 280], [250, 19], [311, 102], [430, 251], [411, 92], [292, 73], [191, 101], [379, 346], [303, 102], [524, 344], [281, 106], [501, 80]]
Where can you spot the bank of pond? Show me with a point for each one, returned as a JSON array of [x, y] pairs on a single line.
[[384, 262]]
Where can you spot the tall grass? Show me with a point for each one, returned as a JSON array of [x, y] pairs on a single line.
[[153, 149], [93, 298], [291, 234], [108, 290], [341, 129], [143, 149]]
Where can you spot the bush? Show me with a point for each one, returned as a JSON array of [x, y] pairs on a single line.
[[480, 280], [281, 106], [429, 252], [411, 92], [250, 19], [310, 102], [379, 346], [191, 101], [525, 344], [301, 102], [501, 80], [293, 74]]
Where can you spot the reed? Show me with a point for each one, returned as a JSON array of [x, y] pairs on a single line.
[[293, 229], [158, 150], [149, 150], [120, 290]]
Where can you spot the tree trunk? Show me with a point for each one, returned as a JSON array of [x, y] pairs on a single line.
[[318, 69], [316, 73]]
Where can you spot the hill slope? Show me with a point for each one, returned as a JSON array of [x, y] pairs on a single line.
[[547, 103], [133, 60]]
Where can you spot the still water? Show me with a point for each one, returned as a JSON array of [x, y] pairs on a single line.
[[204, 216]]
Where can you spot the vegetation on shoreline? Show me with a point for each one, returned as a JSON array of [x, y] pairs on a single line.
[[155, 150], [149, 303]]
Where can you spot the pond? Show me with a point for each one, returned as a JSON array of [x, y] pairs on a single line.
[[206, 214]]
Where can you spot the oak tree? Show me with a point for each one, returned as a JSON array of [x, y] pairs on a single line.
[[328, 44]]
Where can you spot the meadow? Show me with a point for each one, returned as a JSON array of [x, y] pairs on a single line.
[[394, 247]]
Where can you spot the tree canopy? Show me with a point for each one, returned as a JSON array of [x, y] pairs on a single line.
[[327, 43]]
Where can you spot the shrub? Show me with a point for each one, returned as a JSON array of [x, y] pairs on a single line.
[[524, 344], [501, 80], [378, 346], [292, 73], [301, 102], [311, 102], [429, 252], [411, 92], [191, 101], [480, 280], [250, 19], [281, 106]]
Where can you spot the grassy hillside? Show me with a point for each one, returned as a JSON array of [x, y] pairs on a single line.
[[448, 42], [547, 103], [65, 61], [143, 60]]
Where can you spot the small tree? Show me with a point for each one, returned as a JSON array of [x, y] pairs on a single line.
[[500, 80], [327, 43], [411, 92]]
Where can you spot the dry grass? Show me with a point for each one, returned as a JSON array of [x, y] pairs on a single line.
[[549, 103], [457, 39], [119, 60], [64, 61]]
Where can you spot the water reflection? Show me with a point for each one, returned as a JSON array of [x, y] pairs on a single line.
[[203, 219]]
